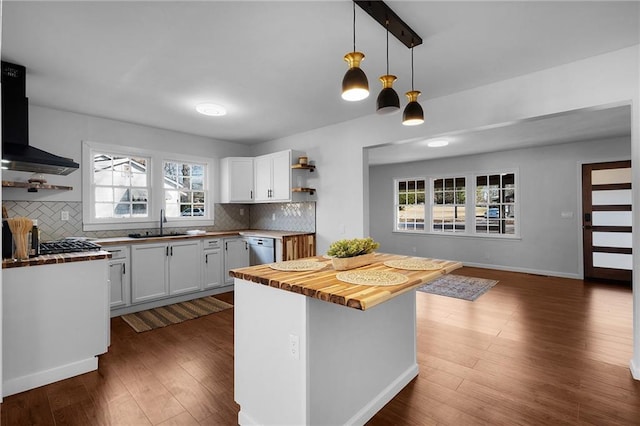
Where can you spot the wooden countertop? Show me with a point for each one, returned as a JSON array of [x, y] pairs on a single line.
[[324, 285], [50, 259], [215, 234]]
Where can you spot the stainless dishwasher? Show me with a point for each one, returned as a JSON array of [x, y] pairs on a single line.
[[261, 250]]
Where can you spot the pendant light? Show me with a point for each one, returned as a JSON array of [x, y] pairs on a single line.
[[388, 101], [355, 85], [413, 114]]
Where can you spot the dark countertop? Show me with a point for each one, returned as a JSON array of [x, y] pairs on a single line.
[[50, 259]]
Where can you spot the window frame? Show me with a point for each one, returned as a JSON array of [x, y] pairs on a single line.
[[470, 203], [156, 189], [396, 204]]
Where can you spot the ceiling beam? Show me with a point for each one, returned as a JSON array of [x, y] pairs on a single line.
[[381, 13]]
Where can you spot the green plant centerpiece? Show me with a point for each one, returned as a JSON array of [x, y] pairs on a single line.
[[349, 254]]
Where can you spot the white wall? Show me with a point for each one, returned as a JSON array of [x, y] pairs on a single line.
[[548, 244], [611, 78], [338, 149], [62, 133]]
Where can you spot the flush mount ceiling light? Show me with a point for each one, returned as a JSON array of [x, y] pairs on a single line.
[[413, 114], [355, 86], [437, 143], [388, 101], [210, 109]]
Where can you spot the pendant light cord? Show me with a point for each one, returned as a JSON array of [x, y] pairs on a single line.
[[354, 26], [387, 46], [412, 66]]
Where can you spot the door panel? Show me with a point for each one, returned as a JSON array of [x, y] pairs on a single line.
[[607, 221]]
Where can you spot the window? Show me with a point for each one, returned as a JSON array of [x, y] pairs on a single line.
[[466, 204], [448, 212], [495, 204], [184, 189], [410, 199], [129, 187], [120, 186]]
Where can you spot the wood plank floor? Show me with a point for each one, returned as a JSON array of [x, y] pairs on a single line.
[[532, 351]]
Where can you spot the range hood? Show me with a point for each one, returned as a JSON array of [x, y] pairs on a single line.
[[17, 154]]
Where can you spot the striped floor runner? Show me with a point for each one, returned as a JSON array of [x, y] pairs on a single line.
[[174, 314]]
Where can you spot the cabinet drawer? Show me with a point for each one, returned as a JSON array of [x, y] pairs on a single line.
[[212, 243], [118, 252]]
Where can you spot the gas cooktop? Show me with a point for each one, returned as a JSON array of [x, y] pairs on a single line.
[[67, 246]]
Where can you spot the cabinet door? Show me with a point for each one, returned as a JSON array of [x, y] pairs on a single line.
[[117, 271], [281, 176], [263, 178], [212, 268], [184, 267], [236, 180], [149, 266], [236, 255], [119, 276]]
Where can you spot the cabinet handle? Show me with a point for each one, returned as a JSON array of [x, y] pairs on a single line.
[[225, 245], [206, 258], [171, 250], [124, 268], [246, 246], [251, 194], [167, 251]]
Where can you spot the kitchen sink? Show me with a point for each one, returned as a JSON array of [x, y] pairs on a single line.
[[148, 235]]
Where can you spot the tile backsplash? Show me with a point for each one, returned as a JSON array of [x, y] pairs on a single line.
[[298, 217]]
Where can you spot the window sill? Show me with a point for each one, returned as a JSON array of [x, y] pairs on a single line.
[[462, 235]]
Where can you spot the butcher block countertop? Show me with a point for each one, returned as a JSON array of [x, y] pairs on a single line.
[[50, 259], [323, 284]]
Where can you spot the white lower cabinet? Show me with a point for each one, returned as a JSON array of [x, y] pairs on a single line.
[[184, 267], [236, 255], [162, 269], [119, 276], [149, 272], [212, 263]]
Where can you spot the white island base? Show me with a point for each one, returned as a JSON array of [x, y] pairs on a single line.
[[303, 361]]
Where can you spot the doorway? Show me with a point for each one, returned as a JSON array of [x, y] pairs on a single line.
[[606, 222]]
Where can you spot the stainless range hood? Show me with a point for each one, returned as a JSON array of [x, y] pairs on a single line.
[[17, 154]]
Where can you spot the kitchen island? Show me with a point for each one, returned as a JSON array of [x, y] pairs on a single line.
[[313, 350], [55, 318]]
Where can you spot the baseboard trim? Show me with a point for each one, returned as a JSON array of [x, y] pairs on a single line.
[[635, 369], [41, 378], [524, 270], [387, 394]]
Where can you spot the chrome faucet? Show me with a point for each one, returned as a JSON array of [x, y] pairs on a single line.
[[163, 219]]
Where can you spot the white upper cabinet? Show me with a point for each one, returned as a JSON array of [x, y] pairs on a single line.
[[236, 180], [263, 179], [273, 177]]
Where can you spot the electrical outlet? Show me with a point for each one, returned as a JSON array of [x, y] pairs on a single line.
[[294, 346], [64, 215], [273, 216]]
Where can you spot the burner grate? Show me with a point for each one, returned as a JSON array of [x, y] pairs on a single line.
[[67, 246]]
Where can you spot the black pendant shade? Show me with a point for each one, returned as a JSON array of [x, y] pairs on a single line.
[[355, 85], [413, 114], [388, 101]]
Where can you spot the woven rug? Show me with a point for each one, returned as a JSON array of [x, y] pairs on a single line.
[[458, 286], [174, 314]]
